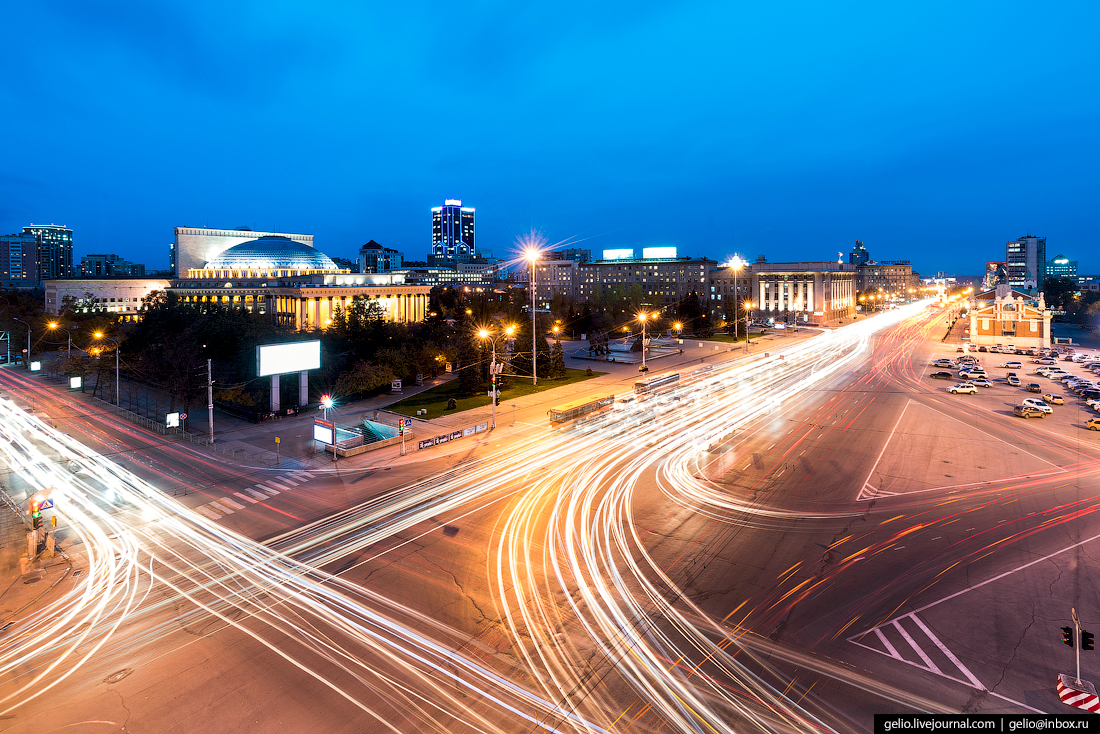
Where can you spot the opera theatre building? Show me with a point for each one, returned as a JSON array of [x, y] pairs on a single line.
[[283, 276]]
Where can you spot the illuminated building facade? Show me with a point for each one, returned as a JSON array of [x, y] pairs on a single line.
[[53, 250], [18, 261], [1009, 317], [452, 232], [99, 266], [804, 292], [196, 246], [1062, 267], [118, 297], [1026, 262], [664, 278]]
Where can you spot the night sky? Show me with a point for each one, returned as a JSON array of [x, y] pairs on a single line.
[[931, 131]]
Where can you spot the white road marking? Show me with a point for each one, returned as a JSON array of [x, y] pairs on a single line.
[[208, 512], [890, 648], [220, 508], [943, 648], [231, 503], [284, 487], [293, 482], [257, 495], [269, 490], [923, 656], [246, 498]]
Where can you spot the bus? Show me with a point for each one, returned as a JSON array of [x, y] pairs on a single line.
[[577, 408], [657, 384]]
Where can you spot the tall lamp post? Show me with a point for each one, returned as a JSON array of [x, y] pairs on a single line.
[[27, 359], [736, 263], [55, 325], [533, 257], [492, 336], [642, 317], [99, 335], [748, 317]]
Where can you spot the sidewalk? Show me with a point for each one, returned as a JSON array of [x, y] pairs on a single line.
[[27, 585]]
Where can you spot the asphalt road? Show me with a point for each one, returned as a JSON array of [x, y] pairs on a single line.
[[793, 546]]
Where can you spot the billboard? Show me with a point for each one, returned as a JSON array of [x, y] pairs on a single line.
[[324, 431], [279, 359], [658, 253], [618, 254]]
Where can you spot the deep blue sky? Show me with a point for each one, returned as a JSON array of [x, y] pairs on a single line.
[[931, 131]]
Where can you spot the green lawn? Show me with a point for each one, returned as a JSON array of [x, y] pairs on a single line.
[[435, 400]]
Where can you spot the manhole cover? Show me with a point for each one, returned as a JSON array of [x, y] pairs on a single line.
[[116, 677], [33, 577]]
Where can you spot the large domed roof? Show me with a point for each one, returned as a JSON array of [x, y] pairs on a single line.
[[272, 253]]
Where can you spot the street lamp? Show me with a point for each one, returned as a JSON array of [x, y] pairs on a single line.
[[54, 325], [492, 336], [326, 403], [748, 317], [642, 317], [532, 257], [27, 359], [736, 263], [99, 335]]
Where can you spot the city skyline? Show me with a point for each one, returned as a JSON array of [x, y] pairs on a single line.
[[712, 129]]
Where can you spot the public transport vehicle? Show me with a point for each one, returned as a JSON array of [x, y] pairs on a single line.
[[578, 408], [656, 384]]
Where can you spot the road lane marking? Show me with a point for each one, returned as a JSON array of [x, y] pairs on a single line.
[[890, 648], [225, 510], [246, 498], [293, 482], [284, 487], [208, 512], [943, 648], [269, 490], [231, 503], [923, 656], [257, 495]]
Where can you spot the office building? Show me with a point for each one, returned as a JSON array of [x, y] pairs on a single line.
[[727, 290], [886, 277], [54, 250], [18, 261], [452, 232], [804, 292], [100, 266], [859, 254], [1061, 267], [196, 246], [554, 276], [119, 297], [663, 278], [1026, 261], [373, 258]]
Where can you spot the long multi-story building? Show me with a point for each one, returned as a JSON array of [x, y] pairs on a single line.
[[1026, 261], [99, 266], [53, 250], [888, 277], [452, 232], [806, 292], [663, 278], [728, 288], [18, 262]]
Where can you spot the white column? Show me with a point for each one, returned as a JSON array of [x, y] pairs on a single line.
[[303, 388], [274, 393]]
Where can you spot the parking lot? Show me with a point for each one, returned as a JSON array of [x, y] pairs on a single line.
[[1050, 398]]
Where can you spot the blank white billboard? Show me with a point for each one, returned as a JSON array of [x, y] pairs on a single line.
[[658, 253], [279, 359], [618, 254]]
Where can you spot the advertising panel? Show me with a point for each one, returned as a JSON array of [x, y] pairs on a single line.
[[427, 443], [279, 359], [323, 431], [618, 254], [655, 253]]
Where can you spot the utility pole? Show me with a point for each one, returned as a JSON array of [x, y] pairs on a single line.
[[210, 398]]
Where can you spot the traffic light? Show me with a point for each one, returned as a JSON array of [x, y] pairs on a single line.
[[1067, 636], [1086, 640]]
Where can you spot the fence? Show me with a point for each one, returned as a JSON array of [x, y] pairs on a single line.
[[152, 425]]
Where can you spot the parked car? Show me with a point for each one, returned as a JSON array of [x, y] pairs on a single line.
[[943, 363], [1091, 394], [1013, 380], [1045, 360], [1034, 387], [1052, 399], [1027, 411], [1012, 366], [1037, 403], [1093, 424], [942, 376], [972, 374], [962, 387], [981, 382]]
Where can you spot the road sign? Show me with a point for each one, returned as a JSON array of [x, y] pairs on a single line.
[[277, 440], [183, 416], [46, 505]]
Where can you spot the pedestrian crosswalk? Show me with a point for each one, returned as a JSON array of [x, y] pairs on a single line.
[[254, 495]]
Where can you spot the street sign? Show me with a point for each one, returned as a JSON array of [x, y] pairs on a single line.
[[407, 422], [46, 505], [277, 440], [183, 416]]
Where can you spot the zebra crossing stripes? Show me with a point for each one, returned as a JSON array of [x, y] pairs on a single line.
[[908, 639], [216, 509]]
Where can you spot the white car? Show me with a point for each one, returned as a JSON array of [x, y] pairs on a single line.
[[1039, 404], [962, 387], [1052, 399], [972, 374], [1013, 380], [980, 382], [1012, 366]]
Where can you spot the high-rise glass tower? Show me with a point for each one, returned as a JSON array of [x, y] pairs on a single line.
[[54, 250], [1026, 262], [452, 231]]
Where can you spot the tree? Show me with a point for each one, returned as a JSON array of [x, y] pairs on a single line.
[[557, 361], [469, 374], [363, 378], [1060, 292]]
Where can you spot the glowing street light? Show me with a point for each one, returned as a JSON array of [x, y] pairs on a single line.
[[643, 316], [748, 317], [326, 403], [55, 325], [492, 336], [532, 256], [736, 263]]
